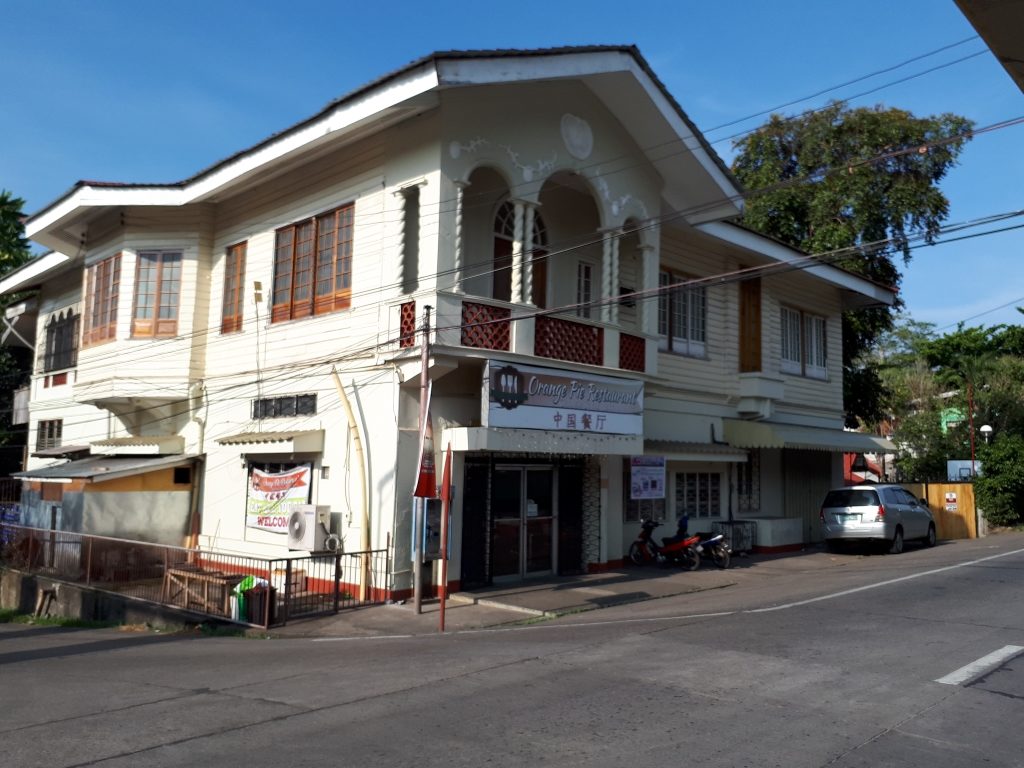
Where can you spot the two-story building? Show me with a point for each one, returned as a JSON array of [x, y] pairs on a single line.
[[605, 343]]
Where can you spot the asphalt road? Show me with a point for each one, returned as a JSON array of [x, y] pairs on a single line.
[[832, 666]]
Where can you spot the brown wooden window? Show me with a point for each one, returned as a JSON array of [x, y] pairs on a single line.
[[48, 434], [234, 282], [101, 289], [157, 288], [313, 266]]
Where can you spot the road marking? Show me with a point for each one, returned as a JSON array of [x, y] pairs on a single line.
[[876, 585], [680, 617], [977, 668]]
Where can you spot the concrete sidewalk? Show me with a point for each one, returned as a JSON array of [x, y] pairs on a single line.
[[526, 601]]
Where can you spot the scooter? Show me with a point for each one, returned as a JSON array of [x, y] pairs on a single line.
[[709, 545], [674, 550]]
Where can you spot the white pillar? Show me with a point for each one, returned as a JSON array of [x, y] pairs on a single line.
[[460, 192], [649, 281], [527, 262], [517, 253]]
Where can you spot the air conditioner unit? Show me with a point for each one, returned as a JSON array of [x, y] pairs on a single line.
[[309, 527]]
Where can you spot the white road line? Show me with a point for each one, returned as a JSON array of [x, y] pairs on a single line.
[[886, 583], [977, 668], [542, 627]]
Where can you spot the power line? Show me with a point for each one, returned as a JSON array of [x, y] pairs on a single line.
[[831, 88]]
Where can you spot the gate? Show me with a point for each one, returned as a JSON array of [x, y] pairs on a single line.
[[952, 506]]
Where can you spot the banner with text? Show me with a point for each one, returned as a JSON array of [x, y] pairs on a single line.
[[272, 494], [647, 477]]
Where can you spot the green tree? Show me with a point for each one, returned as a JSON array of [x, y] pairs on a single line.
[[14, 251], [999, 491], [842, 179]]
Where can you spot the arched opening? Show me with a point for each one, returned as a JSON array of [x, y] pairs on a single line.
[[504, 239], [484, 195], [630, 276], [573, 258]]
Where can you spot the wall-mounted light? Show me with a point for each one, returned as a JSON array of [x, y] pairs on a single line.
[[257, 291], [325, 473]]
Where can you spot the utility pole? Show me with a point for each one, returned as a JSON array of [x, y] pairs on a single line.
[[419, 505]]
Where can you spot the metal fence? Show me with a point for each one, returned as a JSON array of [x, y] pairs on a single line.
[[257, 591]]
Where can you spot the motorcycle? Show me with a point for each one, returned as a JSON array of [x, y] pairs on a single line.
[[674, 550], [711, 546]]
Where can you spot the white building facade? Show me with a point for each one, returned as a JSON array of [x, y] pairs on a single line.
[[590, 302]]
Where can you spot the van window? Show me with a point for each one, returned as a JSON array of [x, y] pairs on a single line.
[[851, 497]]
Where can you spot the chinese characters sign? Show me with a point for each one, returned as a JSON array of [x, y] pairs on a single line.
[[527, 397], [271, 496]]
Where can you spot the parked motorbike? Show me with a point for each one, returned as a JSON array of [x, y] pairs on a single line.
[[711, 546], [674, 550]]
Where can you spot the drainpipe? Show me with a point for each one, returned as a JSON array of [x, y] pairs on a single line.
[[357, 444]]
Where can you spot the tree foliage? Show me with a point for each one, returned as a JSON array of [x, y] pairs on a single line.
[[14, 251], [841, 182], [14, 248], [999, 491]]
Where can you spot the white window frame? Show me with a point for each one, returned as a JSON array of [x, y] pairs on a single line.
[[706, 498], [684, 311], [803, 343]]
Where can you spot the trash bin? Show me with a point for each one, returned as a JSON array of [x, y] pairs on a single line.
[[255, 602]]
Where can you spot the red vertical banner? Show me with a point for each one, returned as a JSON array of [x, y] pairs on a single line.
[[446, 498], [426, 477]]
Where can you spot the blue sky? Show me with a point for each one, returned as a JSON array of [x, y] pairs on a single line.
[[139, 91]]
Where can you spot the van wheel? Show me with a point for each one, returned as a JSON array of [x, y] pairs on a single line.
[[897, 542], [929, 540]]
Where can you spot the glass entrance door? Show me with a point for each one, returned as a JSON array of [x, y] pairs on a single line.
[[523, 529]]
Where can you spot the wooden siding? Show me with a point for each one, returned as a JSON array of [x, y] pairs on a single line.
[[715, 373]]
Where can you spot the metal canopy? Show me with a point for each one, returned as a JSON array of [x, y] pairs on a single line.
[[759, 434]]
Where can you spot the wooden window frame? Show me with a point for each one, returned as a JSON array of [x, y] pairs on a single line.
[[313, 265], [165, 296], [102, 284], [808, 332], [232, 308], [61, 350], [682, 315], [584, 288], [49, 433]]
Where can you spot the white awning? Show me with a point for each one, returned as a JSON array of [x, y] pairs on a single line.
[[678, 450], [155, 445], [759, 434], [296, 441], [541, 441]]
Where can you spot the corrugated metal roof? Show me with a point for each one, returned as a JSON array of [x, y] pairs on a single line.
[[103, 468]]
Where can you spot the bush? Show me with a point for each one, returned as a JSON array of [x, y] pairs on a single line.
[[999, 491]]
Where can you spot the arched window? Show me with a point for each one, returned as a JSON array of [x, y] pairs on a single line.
[[504, 234]]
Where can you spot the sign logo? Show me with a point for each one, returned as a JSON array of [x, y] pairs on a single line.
[[507, 388]]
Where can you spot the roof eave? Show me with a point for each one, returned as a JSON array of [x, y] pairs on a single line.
[[858, 291]]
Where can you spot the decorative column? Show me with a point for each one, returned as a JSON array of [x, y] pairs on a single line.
[[460, 192], [649, 286], [610, 275], [517, 252], [527, 262]]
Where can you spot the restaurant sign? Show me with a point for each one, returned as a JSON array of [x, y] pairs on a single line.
[[529, 397]]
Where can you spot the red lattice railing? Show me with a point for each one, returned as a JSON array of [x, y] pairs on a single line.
[[486, 327], [632, 355], [565, 340], [407, 325]]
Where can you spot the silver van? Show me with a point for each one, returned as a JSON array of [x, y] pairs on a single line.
[[886, 513]]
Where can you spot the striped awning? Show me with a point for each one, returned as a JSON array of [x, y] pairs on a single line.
[[760, 434]]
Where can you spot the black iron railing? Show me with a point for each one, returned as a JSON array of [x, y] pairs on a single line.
[[250, 590]]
